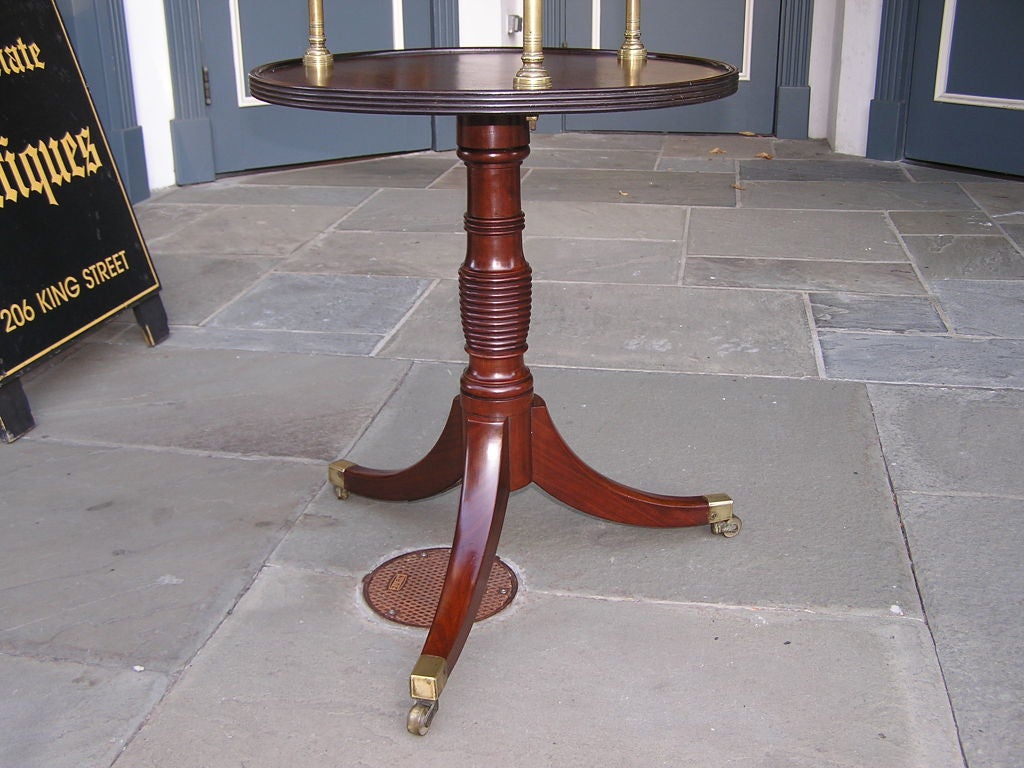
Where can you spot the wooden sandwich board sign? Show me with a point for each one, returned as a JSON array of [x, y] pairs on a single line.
[[71, 253]]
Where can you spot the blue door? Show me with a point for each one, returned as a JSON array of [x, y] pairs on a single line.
[[744, 33], [967, 91], [238, 35]]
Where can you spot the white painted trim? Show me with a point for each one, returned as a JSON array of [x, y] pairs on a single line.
[[748, 39], [241, 76], [942, 93], [748, 33], [398, 25]]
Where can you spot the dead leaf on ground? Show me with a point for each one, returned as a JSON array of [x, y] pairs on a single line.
[[747, 133], [717, 151], [765, 156], [737, 186], [624, 194]]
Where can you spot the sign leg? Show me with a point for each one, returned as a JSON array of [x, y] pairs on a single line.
[[15, 415], [152, 318]]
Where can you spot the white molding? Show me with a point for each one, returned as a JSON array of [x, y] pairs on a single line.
[[398, 25], [942, 93], [748, 39], [748, 33], [241, 76]]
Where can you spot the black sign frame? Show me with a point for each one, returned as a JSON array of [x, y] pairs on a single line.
[[71, 251]]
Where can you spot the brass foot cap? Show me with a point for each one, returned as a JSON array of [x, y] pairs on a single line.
[[428, 678], [336, 476], [719, 507]]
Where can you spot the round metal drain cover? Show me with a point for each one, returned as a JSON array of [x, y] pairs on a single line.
[[406, 589]]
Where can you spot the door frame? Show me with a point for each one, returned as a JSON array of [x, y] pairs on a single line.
[[100, 40], [887, 118]]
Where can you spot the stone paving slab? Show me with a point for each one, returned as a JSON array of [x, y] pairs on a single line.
[[555, 218], [936, 360], [944, 440], [712, 687], [983, 307], [212, 400], [248, 193], [631, 187], [924, 172], [854, 195], [59, 714], [980, 257], [608, 159], [902, 314], [803, 275], [599, 141], [157, 221], [712, 164], [806, 149], [410, 210], [284, 342], [193, 286], [998, 199], [408, 254], [943, 223], [322, 303], [604, 261], [416, 170], [815, 494], [669, 328], [697, 145], [1014, 229], [125, 557], [264, 230], [819, 170], [971, 585], [846, 235]]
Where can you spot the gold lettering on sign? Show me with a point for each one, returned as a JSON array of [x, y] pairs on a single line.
[[19, 57], [67, 289], [46, 164]]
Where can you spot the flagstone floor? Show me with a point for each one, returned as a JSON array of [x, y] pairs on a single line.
[[837, 343]]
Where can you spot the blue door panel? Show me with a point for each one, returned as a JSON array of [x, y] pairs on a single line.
[[986, 61]]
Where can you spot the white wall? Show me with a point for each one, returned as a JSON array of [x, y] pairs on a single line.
[[844, 55], [151, 79], [483, 22], [823, 32]]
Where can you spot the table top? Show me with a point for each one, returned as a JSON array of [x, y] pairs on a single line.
[[453, 81]]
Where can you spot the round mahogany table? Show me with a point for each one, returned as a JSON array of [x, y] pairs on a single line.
[[499, 436]]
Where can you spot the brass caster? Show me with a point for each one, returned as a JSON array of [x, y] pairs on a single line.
[[336, 476], [420, 717], [727, 528]]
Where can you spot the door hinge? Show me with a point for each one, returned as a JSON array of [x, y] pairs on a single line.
[[206, 87]]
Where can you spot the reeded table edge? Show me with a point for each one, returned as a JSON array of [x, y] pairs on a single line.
[[524, 102]]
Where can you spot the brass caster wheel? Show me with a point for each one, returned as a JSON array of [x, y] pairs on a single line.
[[420, 717], [341, 493], [727, 528]]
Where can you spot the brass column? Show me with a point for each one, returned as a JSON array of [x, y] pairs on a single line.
[[318, 61], [532, 75], [632, 49]]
